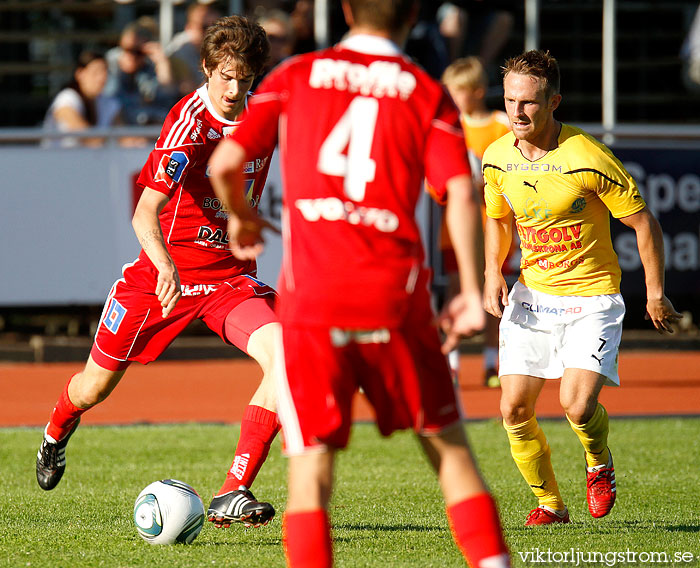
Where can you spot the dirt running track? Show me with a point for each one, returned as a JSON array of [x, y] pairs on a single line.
[[654, 383]]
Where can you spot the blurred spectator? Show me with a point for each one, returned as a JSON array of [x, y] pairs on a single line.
[[302, 18], [690, 53], [183, 49], [425, 44], [480, 28], [80, 104], [280, 33], [140, 77]]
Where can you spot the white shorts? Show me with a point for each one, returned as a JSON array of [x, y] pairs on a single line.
[[541, 334]]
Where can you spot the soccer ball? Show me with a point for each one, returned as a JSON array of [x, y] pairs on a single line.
[[167, 512]]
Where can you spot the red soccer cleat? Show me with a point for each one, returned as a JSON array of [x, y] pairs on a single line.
[[544, 515], [601, 489]]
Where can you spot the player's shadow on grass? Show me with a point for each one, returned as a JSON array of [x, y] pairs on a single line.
[[273, 542], [684, 528], [387, 528], [609, 527]]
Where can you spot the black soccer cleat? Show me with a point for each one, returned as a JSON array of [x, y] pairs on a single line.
[[51, 460], [239, 507]]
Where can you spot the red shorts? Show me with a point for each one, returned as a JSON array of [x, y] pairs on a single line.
[[401, 371], [132, 327]]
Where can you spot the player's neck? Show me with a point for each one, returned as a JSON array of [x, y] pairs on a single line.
[[546, 141], [399, 38]]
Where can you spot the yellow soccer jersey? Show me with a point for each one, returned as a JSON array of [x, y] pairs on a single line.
[[562, 204]]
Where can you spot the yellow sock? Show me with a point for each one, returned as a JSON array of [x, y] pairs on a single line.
[[531, 453], [594, 437]]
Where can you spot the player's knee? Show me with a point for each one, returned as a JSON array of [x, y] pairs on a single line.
[[87, 389], [86, 396], [261, 346], [579, 411], [516, 411]]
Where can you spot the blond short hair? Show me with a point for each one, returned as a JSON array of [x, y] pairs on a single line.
[[536, 63], [465, 73]]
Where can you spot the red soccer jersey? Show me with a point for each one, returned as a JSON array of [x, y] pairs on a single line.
[[194, 220], [359, 126]]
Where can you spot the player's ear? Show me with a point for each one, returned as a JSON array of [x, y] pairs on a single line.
[[554, 102], [347, 12], [204, 68]]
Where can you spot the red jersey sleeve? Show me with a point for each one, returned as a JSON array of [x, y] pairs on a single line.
[[445, 150], [167, 166], [258, 132]]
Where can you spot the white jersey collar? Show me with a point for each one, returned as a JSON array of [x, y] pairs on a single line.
[[204, 95], [370, 44]]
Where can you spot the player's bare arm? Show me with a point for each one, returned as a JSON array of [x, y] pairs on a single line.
[[147, 228], [498, 237], [651, 252], [464, 314], [244, 224]]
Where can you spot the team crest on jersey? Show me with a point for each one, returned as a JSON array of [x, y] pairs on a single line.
[[171, 168], [578, 205], [114, 316], [249, 168], [248, 185], [213, 134]]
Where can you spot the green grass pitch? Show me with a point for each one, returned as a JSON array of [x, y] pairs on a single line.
[[386, 511]]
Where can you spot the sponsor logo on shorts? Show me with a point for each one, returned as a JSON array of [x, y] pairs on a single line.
[[198, 289], [114, 316], [341, 337], [539, 309], [171, 168]]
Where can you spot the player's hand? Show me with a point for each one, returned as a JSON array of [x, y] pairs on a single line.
[[662, 314], [245, 236], [462, 316], [495, 294], [168, 289]]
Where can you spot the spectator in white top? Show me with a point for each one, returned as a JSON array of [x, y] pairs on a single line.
[[80, 104]]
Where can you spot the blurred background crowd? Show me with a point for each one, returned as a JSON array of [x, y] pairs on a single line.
[[114, 62]]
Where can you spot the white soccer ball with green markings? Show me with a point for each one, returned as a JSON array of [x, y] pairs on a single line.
[[168, 512]]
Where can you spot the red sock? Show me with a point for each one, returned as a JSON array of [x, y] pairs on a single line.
[[64, 415], [307, 539], [258, 428], [477, 531]]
